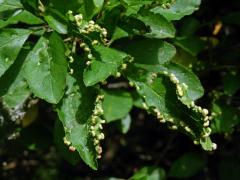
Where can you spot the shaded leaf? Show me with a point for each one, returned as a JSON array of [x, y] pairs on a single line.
[[231, 83], [150, 51], [227, 117], [15, 90], [71, 157], [92, 7], [192, 45], [187, 165], [116, 104]]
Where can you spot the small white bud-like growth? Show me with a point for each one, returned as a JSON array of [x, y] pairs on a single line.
[[72, 148]]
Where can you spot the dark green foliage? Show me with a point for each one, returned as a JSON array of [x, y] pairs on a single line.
[[94, 63]]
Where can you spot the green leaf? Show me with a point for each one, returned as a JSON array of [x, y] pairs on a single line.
[[46, 68], [189, 26], [178, 9], [159, 27], [106, 63], [149, 173], [116, 104], [187, 165], [11, 42], [150, 51], [23, 17], [227, 117], [75, 111], [132, 26], [194, 88], [6, 5], [133, 6], [15, 90], [185, 58], [160, 94], [56, 21], [193, 45], [67, 5], [118, 34], [92, 7], [188, 81], [231, 83]]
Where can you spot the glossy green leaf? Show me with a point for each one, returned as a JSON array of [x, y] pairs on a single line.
[[75, 111], [178, 9], [189, 82], [194, 88], [149, 173], [133, 6], [23, 17], [56, 21], [116, 104], [106, 63], [187, 165], [11, 42], [160, 93], [46, 68], [6, 5], [159, 27]]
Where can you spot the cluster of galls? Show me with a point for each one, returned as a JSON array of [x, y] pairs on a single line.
[[168, 4], [88, 27], [68, 53], [87, 50], [97, 125], [181, 89], [85, 27], [68, 143]]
